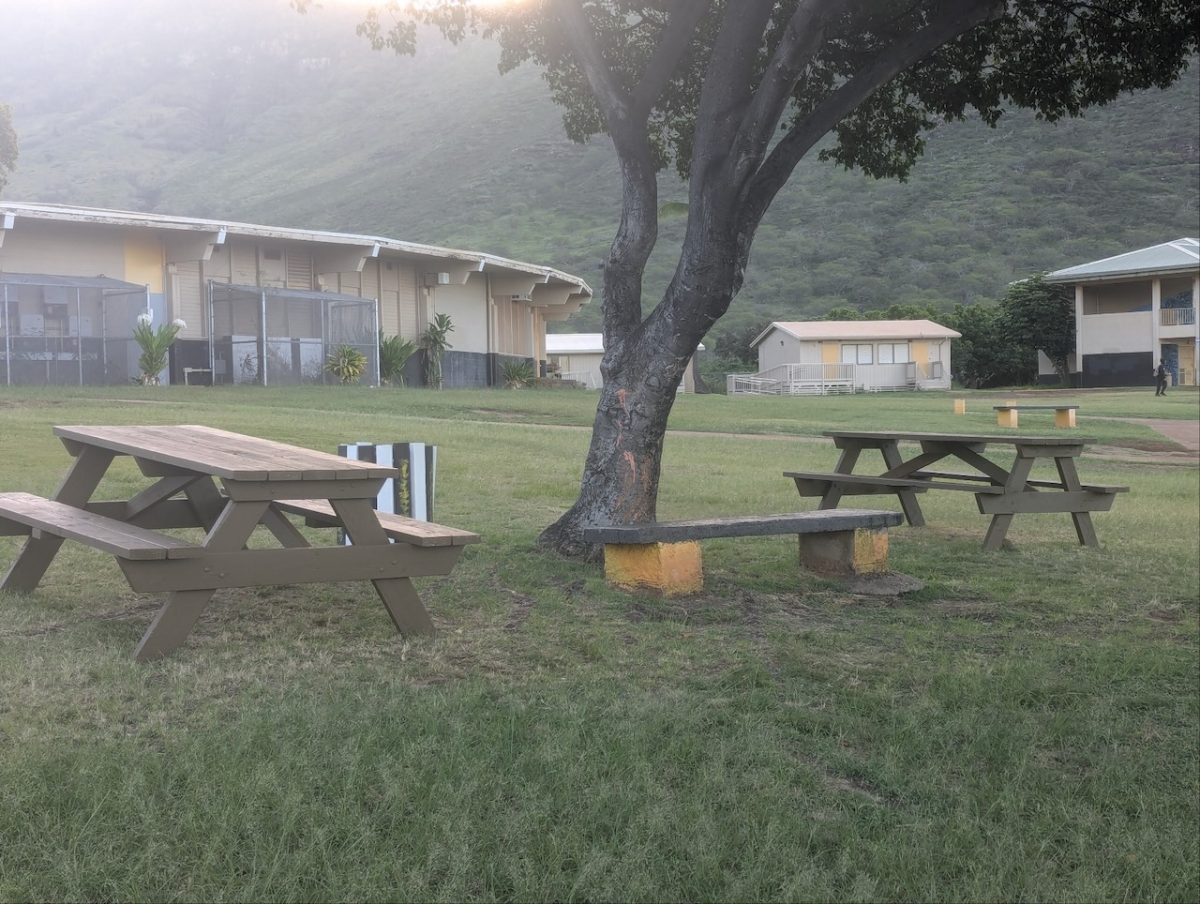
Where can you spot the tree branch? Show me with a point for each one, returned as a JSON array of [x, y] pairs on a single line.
[[613, 102], [959, 18], [676, 37], [802, 37]]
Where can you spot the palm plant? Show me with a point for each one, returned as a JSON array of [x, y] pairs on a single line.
[[517, 374], [346, 363], [394, 353], [155, 345], [434, 342]]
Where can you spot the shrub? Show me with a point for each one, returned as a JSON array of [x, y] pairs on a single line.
[[346, 363], [394, 353], [517, 373]]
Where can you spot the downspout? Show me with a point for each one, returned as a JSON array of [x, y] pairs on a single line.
[[487, 328], [263, 361], [79, 332], [212, 327]]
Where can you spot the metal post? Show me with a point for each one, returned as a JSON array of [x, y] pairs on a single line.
[[263, 335], [7, 342], [212, 330], [377, 379], [79, 333]]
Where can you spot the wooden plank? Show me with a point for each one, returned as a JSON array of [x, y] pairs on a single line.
[[71, 523], [969, 438], [742, 526], [860, 484], [1045, 503], [13, 529], [418, 533], [221, 453], [277, 490], [173, 513], [1050, 484]]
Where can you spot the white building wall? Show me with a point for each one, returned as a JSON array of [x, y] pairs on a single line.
[[1115, 333], [779, 348], [467, 307]]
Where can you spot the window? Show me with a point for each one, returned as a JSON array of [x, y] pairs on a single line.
[[857, 354], [893, 352]]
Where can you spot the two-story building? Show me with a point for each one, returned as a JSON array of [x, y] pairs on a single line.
[[1131, 311], [260, 304]]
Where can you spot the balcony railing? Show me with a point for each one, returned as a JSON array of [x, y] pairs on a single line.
[[1177, 316]]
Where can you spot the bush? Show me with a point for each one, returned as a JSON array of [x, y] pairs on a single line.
[[346, 363]]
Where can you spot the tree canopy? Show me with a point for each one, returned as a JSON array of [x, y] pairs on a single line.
[[8, 145], [1041, 316], [733, 94]]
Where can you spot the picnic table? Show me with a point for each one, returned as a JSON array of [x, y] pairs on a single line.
[[228, 484], [1002, 492]]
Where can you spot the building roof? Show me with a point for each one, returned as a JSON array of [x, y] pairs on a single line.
[[580, 344], [374, 244], [814, 330], [1179, 256]]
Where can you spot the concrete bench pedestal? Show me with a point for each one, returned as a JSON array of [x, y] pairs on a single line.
[[665, 557]]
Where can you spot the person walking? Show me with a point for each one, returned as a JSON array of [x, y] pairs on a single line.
[[1160, 379]]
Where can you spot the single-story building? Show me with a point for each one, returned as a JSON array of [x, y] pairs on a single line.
[[820, 356], [260, 303], [577, 357], [1131, 311]]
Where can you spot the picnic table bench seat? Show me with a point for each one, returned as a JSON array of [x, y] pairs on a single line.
[[664, 556], [817, 484], [1044, 484], [24, 513], [319, 513]]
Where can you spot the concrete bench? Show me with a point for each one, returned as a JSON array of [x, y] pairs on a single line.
[[664, 556], [26, 514], [1007, 415], [319, 513]]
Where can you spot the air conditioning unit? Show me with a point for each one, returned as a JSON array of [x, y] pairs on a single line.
[[437, 279]]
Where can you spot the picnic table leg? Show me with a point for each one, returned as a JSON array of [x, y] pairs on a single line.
[[399, 596], [76, 489], [1015, 483], [845, 465], [908, 499], [1083, 520], [175, 619]]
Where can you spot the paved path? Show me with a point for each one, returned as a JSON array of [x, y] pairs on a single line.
[[1186, 433]]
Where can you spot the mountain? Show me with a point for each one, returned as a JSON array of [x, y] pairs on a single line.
[[247, 110]]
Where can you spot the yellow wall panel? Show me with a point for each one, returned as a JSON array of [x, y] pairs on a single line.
[[144, 261], [831, 352]]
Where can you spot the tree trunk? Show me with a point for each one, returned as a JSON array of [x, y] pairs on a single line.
[[620, 477]]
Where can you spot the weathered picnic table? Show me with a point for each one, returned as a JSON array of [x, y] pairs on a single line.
[[228, 484], [1000, 491]]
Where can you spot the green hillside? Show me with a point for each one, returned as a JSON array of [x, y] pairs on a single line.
[[249, 111]]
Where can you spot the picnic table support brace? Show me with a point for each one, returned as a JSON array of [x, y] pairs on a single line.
[[179, 613], [908, 499], [1082, 520], [40, 549]]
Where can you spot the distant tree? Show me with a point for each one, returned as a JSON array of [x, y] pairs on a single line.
[[732, 344], [1040, 315], [985, 356], [8, 146], [842, 312], [734, 94]]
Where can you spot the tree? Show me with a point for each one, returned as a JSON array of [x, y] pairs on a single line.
[[8, 146], [733, 94], [985, 356], [1041, 316]]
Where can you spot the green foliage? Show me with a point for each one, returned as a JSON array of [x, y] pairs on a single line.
[[155, 345], [346, 363], [986, 356], [434, 341], [517, 373], [732, 343], [1041, 315], [8, 145], [394, 353]]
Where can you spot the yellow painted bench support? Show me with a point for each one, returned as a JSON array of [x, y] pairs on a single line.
[[668, 569], [960, 406], [1064, 417], [862, 551], [1007, 418]]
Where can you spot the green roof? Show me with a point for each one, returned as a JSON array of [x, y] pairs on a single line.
[[1179, 256]]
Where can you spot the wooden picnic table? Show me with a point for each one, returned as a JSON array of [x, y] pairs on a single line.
[[228, 484], [1000, 491]]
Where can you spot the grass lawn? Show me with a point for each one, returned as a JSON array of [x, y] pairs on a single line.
[[1025, 727]]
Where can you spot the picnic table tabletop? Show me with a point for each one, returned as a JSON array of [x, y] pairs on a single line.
[[220, 453], [964, 438]]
